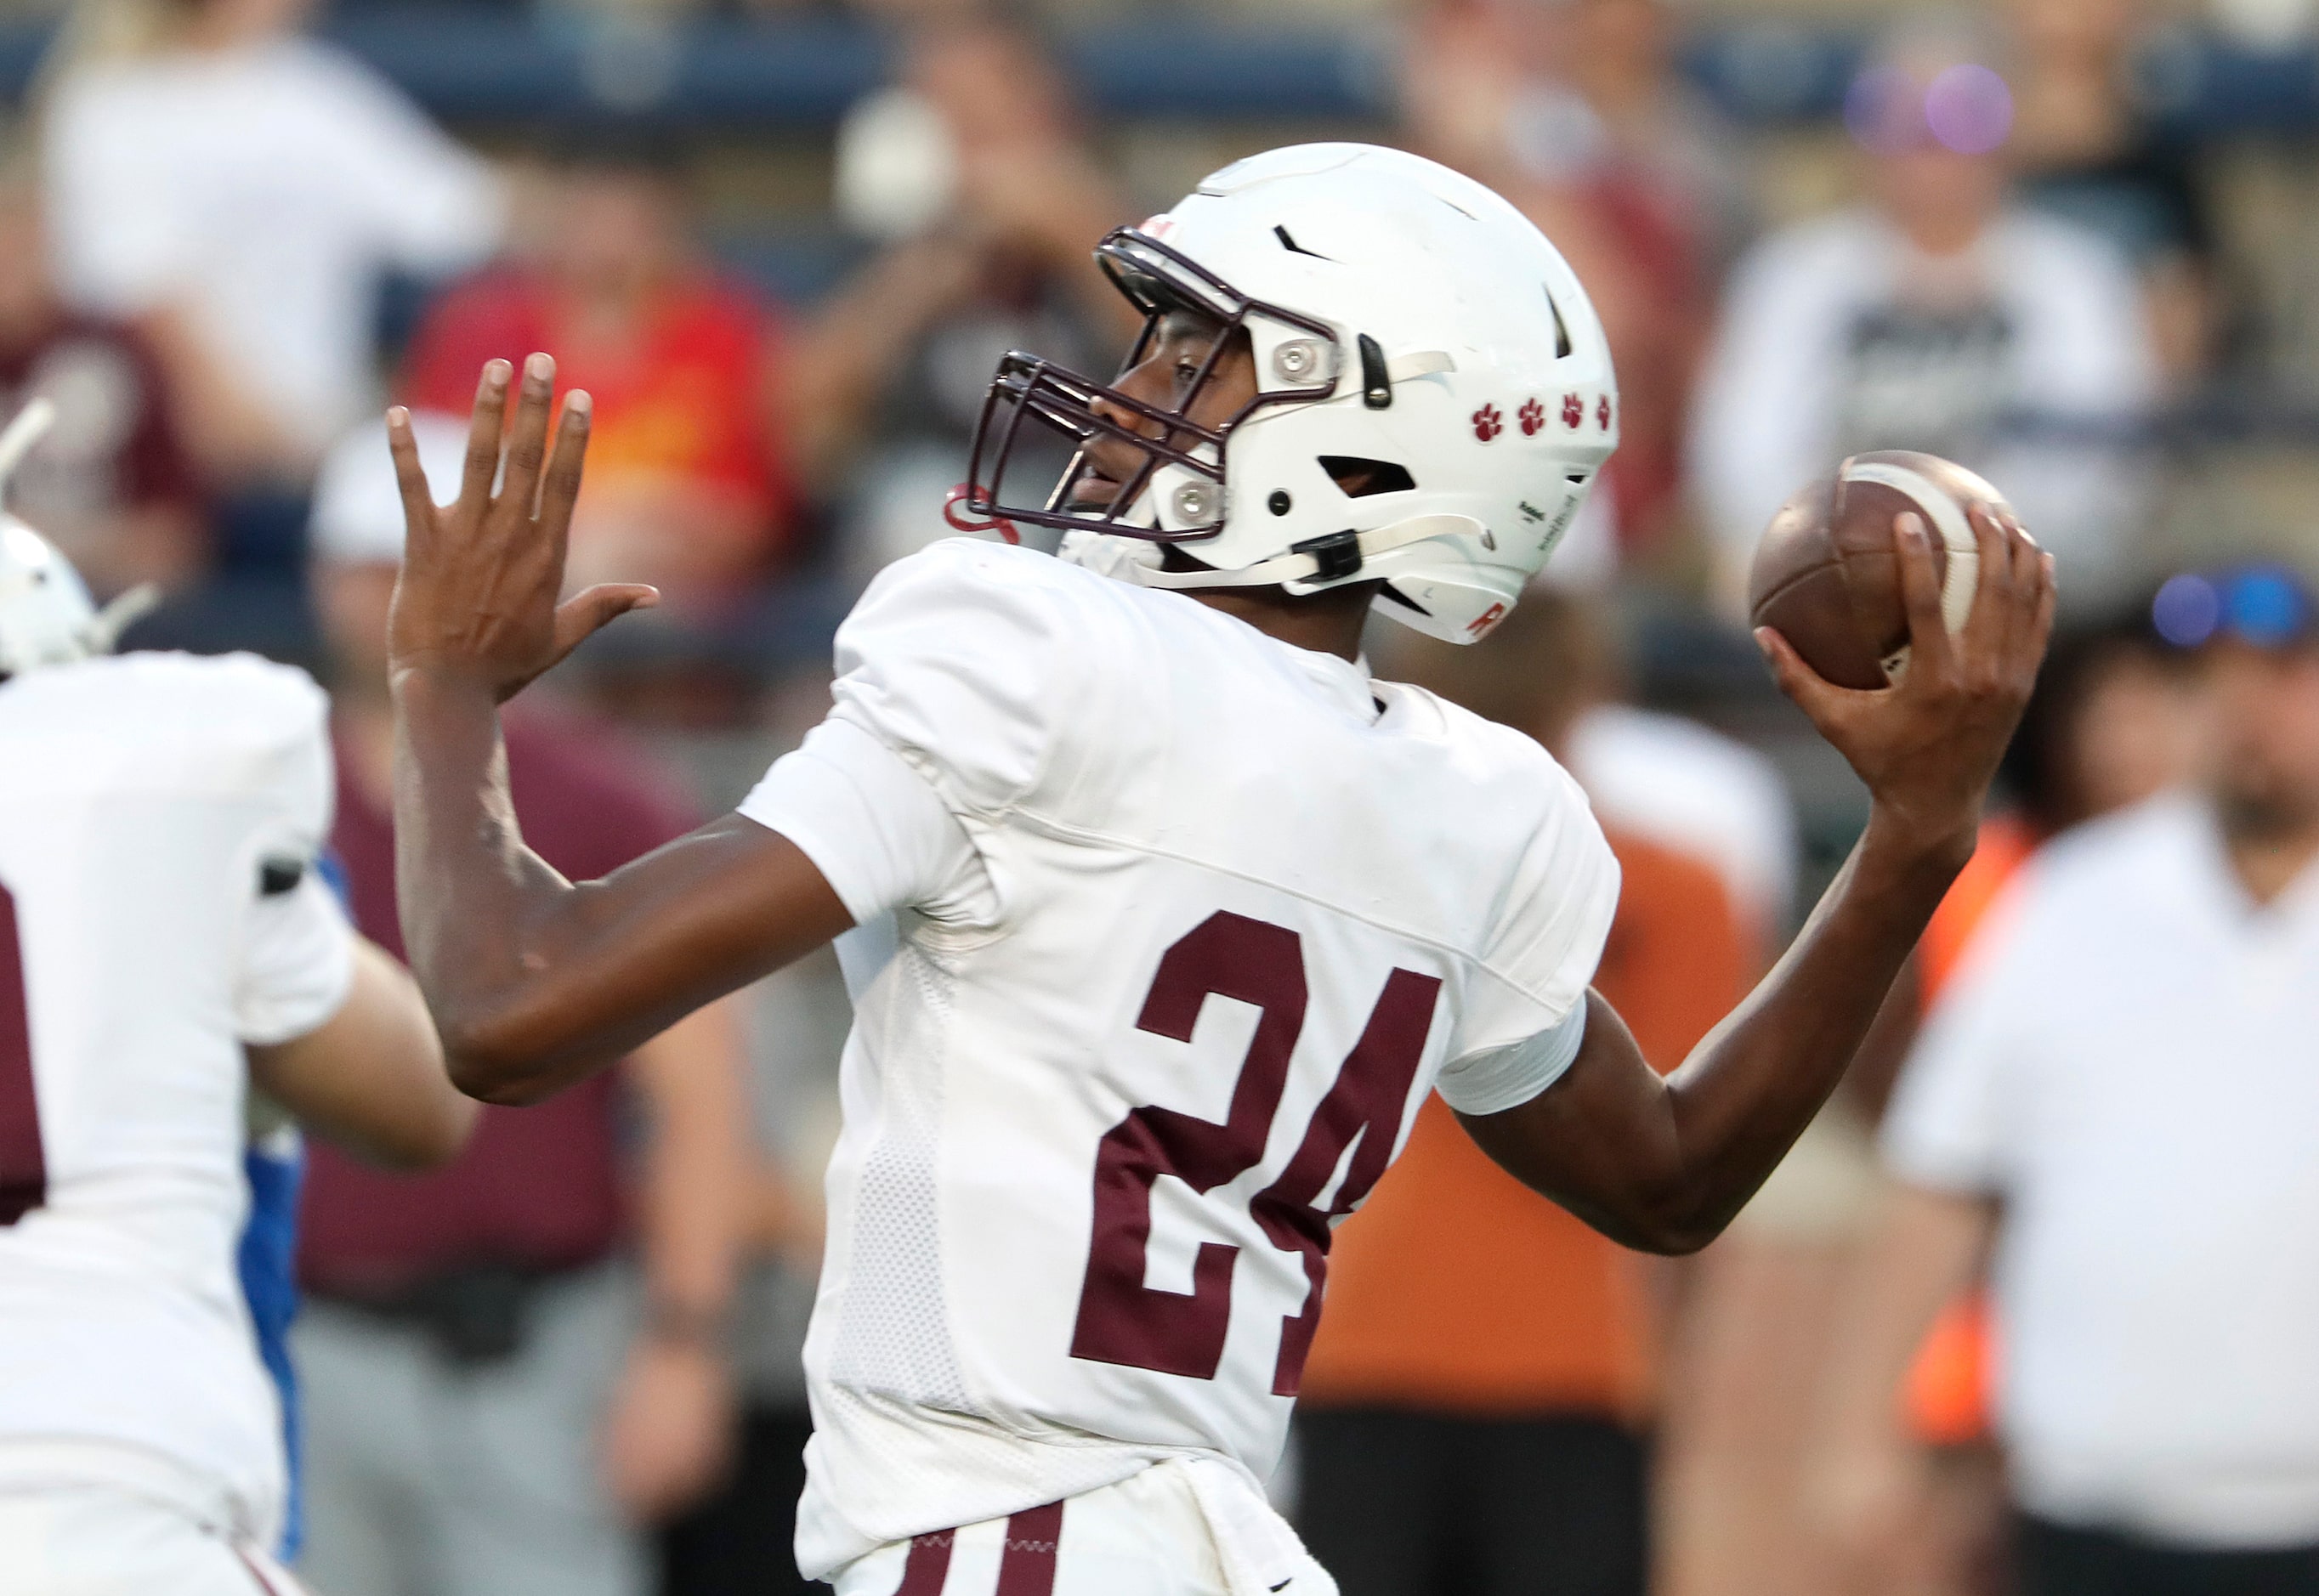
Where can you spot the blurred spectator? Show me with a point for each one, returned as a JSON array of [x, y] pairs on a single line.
[[236, 190], [975, 171], [2114, 1093], [2109, 726], [111, 483], [740, 1542], [1939, 317], [687, 472], [1475, 1409], [2086, 149], [1573, 109], [493, 1403]]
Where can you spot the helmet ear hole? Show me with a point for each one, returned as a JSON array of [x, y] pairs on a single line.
[[1357, 478], [1561, 328]]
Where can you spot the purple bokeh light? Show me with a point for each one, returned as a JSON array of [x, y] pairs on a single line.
[[1969, 109], [1966, 108]]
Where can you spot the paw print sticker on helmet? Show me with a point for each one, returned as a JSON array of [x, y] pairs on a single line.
[[1488, 422], [1603, 413], [1573, 411], [1533, 417]]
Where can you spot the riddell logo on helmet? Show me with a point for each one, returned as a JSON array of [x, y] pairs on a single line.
[[1573, 411], [1533, 417], [1488, 618], [1488, 422]]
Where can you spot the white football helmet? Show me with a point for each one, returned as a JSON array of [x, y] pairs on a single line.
[[1415, 339], [46, 615]]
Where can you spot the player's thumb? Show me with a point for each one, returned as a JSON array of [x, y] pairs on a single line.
[[591, 609]]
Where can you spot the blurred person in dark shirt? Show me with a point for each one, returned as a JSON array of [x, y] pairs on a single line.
[[689, 483], [2087, 148], [975, 170], [1473, 1417], [494, 1405], [111, 483]]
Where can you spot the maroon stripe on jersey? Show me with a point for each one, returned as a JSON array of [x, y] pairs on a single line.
[[1027, 1567], [928, 1565], [24, 1171]]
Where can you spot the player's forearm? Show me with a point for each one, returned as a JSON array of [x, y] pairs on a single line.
[[1745, 1094], [467, 886]]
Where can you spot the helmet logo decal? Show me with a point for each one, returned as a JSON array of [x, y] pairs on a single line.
[[1488, 618], [1573, 411], [1602, 412], [1533, 417], [1488, 422], [1531, 513]]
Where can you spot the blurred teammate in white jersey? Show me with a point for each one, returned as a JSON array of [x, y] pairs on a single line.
[[1161, 913], [166, 944]]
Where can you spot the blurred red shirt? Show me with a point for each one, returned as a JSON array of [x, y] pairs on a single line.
[[685, 477], [536, 1188]]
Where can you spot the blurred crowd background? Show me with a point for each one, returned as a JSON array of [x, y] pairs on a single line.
[[2071, 243]]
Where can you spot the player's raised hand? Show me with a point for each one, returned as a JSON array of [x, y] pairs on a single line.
[[1928, 745], [481, 596]]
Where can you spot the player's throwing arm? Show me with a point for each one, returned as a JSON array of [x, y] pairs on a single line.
[[1664, 1165]]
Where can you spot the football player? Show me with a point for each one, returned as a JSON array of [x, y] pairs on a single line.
[[168, 951], [1160, 913]]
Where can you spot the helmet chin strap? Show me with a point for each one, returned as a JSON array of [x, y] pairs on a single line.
[[102, 633], [1301, 566]]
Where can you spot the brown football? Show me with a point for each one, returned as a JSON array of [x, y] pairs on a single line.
[[1827, 574]]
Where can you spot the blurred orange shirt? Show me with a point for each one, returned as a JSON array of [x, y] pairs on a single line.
[[1456, 1288], [686, 404], [1948, 1389]]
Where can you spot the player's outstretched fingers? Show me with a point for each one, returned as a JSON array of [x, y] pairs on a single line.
[[591, 609], [526, 449], [1997, 589], [561, 490], [486, 428], [1920, 594], [410, 478]]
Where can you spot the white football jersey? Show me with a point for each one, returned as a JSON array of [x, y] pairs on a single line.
[[158, 814], [1220, 912]]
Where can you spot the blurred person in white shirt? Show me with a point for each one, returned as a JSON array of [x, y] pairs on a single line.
[[2113, 1102], [1938, 316], [237, 190]]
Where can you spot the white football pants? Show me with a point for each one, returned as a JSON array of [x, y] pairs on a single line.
[[78, 1540], [1149, 1535]]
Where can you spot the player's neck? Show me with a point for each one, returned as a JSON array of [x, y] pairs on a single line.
[[1328, 622]]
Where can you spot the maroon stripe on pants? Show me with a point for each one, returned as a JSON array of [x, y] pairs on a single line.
[[928, 1565], [1027, 1567]]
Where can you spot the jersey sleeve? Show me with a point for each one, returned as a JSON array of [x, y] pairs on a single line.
[[1534, 977], [878, 834], [297, 949], [960, 661], [297, 961]]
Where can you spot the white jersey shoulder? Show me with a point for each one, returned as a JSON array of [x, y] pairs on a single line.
[[1243, 906], [157, 816]]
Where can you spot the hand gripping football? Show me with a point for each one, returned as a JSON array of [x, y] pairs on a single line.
[[1827, 575]]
